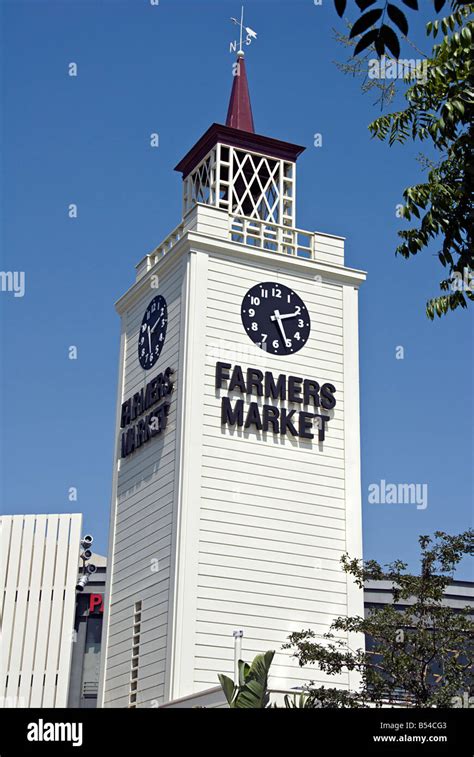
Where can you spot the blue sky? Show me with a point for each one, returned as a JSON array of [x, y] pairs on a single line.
[[85, 140]]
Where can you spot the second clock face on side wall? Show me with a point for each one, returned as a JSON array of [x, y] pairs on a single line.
[[151, 336], [275, 318]]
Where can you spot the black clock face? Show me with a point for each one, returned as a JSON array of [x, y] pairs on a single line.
[[275, 318], [151, 336]]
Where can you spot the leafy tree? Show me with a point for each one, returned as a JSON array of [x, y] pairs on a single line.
[[439, 110], [421, 652], [374, 28], [252, 688]]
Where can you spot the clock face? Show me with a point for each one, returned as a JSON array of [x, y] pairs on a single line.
[[275, 318], [151, 336]]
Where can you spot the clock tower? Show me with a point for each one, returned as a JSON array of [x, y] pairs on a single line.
[[236, 481]]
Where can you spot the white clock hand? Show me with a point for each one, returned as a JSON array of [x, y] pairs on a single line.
[[155, 325], [149, 338], [277, 317], [288, 315]]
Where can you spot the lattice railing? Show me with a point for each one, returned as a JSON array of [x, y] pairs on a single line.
[[167, 244], [273, 237], [148, 261]]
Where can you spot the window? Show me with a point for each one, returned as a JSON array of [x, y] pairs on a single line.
[[136, 626]]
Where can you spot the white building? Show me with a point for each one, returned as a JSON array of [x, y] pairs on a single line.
[[232, 500], [38, 573]]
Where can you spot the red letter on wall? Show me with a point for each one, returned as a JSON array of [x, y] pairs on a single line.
[[96, 600]]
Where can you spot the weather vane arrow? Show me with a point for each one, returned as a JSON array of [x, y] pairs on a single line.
[[251, 33]]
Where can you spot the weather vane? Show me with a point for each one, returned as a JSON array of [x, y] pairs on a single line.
[[250, 33]]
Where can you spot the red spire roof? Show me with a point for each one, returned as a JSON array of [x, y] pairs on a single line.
[[239, 115]]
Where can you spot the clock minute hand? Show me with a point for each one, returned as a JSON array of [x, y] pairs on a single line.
[[277, 317], [149, 338]]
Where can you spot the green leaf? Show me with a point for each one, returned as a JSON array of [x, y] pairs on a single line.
[[398, 18], [365, 22], [379, 44], [363, 4], [244, 669], [390, 40], [365, 41], [227, 686], [261, 665]]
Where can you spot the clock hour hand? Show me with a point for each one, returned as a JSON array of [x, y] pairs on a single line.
[[289, 315], [277, 317], [149, 338], [155, 325]]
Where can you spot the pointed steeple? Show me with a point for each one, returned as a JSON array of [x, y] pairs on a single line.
[[239, 114]]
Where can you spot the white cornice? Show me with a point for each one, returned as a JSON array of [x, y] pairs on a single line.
[[341, 274], [194, 241]]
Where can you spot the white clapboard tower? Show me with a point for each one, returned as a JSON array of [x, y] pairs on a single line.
[[223, 518]]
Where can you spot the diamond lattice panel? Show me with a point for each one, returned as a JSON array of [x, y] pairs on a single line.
[[256, 187]]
